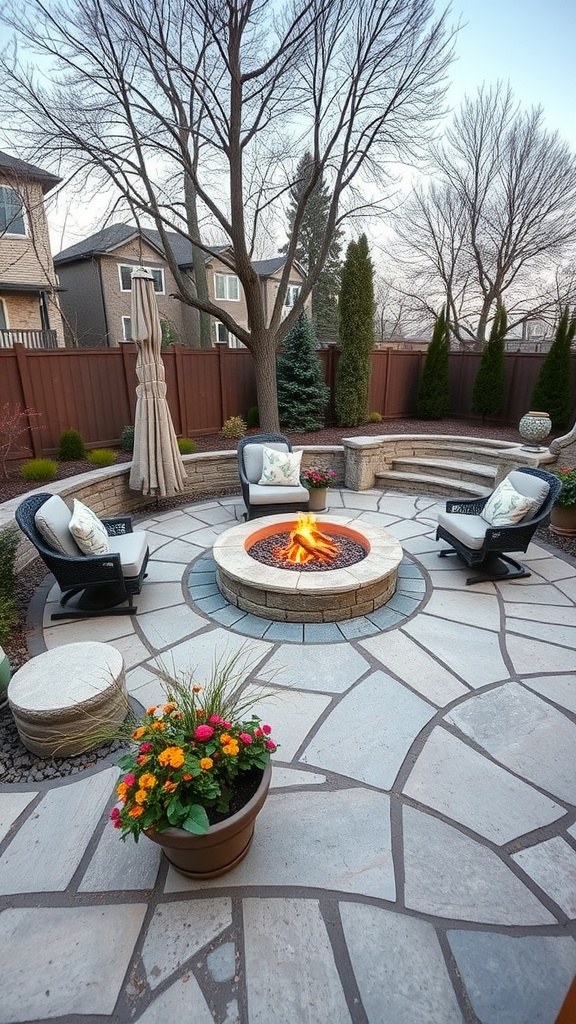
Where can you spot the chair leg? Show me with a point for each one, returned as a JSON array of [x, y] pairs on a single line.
[[492, 574]]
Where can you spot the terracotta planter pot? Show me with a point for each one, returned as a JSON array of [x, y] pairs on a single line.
[[317, 499], [223, 847], [563, 521]]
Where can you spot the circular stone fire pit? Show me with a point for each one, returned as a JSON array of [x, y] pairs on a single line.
[[296, 596]]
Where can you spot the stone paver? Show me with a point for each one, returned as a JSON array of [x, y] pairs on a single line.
[[354, 903]]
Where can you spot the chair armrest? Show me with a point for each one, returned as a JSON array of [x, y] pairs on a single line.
[[118, 525], [468, 507]]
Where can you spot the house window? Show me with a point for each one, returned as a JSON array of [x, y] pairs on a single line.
[[292, 293], [224, 336], [126, 278], [227, 286], [126, 328], [11, 212]]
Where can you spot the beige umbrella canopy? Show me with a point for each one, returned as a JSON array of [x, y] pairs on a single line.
[[157, 464]]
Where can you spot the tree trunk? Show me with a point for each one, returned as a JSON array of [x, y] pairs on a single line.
[[264, 356]]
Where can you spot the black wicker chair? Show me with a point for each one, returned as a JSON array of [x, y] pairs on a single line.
[[99, 577], [268, 501], [490, 558]]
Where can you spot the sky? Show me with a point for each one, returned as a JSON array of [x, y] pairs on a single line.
[[530, 43]]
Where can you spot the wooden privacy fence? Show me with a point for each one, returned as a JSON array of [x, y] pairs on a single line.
[[94, 390]]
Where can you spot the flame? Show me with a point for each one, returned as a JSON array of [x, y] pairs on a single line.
[[307, 543]]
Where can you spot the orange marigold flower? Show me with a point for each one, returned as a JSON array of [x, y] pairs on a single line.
[[140, 731], [122, 790], [231, 749], [197, 689], [140, 796], [200, 712], [225, 738], [187, 776], [135, 812], [147, 781], [170, 786], [168, 707], [158, 726], [206, 763], [152, 710], [173, 756]]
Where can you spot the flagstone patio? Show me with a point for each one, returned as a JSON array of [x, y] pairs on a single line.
[[415, 862]]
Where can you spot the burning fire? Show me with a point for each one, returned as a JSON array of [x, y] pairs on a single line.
[[307, 543]]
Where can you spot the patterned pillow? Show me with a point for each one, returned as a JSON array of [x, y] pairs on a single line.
[[280, 469], [87, 530], [507, 506]]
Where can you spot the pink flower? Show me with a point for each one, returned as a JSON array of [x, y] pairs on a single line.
[[267, 729], [129, 780], [270, 745], [203, 732], [257, 732], [246, 737], [227, 725], [216, 720], [145, 748], [114, 814]]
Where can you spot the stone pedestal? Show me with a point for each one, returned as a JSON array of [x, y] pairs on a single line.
[[64, 699]]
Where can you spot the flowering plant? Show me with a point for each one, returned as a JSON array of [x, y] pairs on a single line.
[[190, 754], [567, 496], [315, 478]]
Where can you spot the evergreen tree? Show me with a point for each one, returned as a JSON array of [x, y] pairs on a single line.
[[433, 393], [310, 240], [302, 393], [356, 329], [489, 386], [553, 392]]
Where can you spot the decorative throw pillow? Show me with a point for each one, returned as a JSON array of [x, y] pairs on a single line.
[[280, 469], [87, 530], [507, 506]]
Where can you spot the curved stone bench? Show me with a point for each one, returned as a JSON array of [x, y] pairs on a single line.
[[63, 699]]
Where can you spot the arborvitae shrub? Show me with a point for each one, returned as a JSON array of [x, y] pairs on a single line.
[[71, 446], [127, 439], [253, 417], [553, 391], [356, 333], [489, 386], [433, 393]]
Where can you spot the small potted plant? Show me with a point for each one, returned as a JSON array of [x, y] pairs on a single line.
[[563, 515], [317, 480], [197, 772]]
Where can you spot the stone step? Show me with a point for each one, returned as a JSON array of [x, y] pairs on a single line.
[[454, 469], [478, 454], [426, 483]]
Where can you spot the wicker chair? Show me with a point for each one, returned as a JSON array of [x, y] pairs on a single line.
[[101, 578], [260, 500], [482, 546]]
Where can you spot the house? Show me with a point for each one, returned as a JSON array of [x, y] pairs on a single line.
[[29, 308], [95, 277]]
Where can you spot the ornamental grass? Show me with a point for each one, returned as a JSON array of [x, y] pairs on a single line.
[[191, 753]]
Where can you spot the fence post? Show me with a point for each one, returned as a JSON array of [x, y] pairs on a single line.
[[178, 351], [222, 346], [28, 392], [127, 366]]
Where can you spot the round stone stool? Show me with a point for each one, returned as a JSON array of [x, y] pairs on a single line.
[[63, 699]]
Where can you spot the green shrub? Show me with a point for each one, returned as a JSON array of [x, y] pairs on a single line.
[[253, 417], [8, 614], [71, 446], [186, 445], [553, 391], [433, 400], [235, 428], [490, 384], [302, 393], [374, 417], [101, 457], [127, 439], [39, 470]]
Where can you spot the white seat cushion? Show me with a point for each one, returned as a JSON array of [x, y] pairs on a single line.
[[88, 531], [469, 530], [132, 549], [260, 495], [52, 522], [253, 456], [280, 469]]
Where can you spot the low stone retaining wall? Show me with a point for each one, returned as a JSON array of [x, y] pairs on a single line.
[[106, 491]]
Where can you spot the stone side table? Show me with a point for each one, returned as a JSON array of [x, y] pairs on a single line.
[[62, 699]]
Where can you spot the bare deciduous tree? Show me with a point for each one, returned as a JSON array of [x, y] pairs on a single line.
[[196, 111], [496, 221]]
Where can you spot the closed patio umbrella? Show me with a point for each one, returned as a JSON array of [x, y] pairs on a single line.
[[157, 464]]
